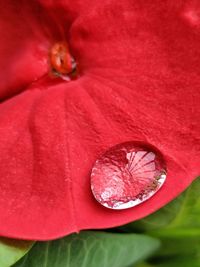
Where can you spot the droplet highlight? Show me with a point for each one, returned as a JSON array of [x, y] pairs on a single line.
[[127, 175]]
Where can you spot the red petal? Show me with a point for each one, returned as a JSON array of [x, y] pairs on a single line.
[[27, 32], [141, 64]]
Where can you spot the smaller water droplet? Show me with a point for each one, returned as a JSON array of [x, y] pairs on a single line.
[[127, 175]]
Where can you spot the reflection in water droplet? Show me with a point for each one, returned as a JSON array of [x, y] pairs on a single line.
[[127, 175]]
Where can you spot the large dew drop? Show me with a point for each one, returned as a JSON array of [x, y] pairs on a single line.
[[127, 175]]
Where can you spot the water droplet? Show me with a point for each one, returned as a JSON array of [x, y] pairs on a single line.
[[127, 175], [62, 63]]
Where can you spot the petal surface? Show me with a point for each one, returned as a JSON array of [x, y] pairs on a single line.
[[140, 64]]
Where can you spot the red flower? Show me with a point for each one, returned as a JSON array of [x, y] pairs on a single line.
[[140, 80]]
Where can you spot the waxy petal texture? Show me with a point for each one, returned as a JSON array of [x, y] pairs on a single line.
[[140, 80]]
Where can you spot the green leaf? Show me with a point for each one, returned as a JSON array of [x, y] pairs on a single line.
[[143, 264], [172, 262], [181, 261], [179, 242], [177, 225], [179, 248], [90, 249], [176, 245], [12, 250]]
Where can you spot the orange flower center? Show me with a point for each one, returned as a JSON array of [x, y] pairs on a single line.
[[61, 60]]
